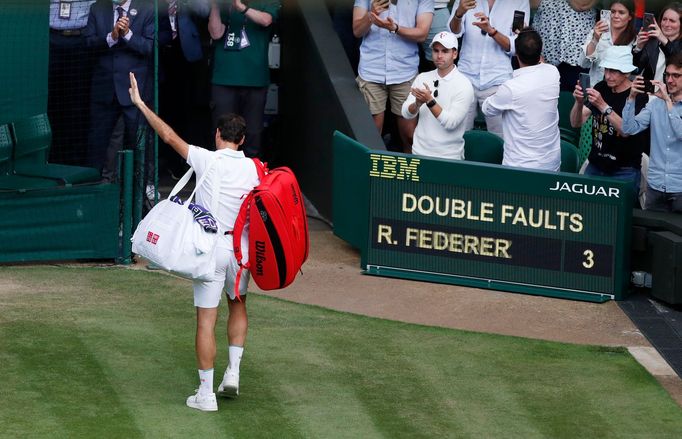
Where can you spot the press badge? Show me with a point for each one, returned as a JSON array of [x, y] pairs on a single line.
[[65, 10], [244, 43]]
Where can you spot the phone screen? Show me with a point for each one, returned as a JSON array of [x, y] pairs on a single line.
[[648, 20], [519, 17]]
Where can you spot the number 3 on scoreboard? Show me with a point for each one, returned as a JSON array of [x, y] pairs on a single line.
[[589, 259]]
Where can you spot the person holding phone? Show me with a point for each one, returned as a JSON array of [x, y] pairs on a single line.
[[528, 105], [663, 116], [614, 153], [657, 42], [564, 26], [619, 31], [389, 55], [487, 47], [440, 99]]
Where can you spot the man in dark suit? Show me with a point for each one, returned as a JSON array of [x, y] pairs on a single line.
[[183, 88], [121, 32]]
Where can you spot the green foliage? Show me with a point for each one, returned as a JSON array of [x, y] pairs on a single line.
[[108, 352]]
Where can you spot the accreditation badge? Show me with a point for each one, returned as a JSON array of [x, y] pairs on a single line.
[[64, 10], [232, 41], [244, 43]]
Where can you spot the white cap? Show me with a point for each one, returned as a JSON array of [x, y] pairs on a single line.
[[447, 39]]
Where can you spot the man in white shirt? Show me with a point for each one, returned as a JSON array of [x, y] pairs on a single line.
[[528, 104], [237, 176], [487, 47], [440, 98]]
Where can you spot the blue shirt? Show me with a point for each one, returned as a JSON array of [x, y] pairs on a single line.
[[387, 58], [481, 59], [77, 12], [665, 160]]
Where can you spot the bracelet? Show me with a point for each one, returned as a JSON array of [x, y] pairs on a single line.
[[458, 17], [246, 9], [431, 103], [493, 35]]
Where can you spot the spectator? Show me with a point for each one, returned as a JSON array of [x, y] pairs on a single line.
[[563, 26], [389, 55], [441, 112], [121, 33], [528, 104], [241, 74], [620, 31], [180, 70], [69, 67], [441, 17], [614, 153], [487, 48], [657, 43], [663, 114]]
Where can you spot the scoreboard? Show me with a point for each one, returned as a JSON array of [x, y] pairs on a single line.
[[489, 226]]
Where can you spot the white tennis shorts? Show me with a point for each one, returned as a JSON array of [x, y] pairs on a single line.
[[207, 294]]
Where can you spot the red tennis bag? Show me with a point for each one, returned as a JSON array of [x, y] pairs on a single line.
[[278, 229]]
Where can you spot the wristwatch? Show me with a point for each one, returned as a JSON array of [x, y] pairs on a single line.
[[608, 110], [397, 26], [431, 103]]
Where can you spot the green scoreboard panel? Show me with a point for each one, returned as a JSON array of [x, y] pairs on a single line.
[[554, 234]]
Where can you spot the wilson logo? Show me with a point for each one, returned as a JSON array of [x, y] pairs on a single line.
[[260, 257]]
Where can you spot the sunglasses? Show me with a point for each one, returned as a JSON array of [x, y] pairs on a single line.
[[435, 85]]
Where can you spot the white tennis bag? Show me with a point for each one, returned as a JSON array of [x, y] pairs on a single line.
[[170, 238]]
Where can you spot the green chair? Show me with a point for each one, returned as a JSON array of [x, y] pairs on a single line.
[[569, 158], [585, 144], [483, 146], [566, 101], [32, 140], [8, 180]]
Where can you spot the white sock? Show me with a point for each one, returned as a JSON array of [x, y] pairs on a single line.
[[235, 357], [206, 381]]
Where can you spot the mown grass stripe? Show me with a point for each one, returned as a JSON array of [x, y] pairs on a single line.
[[306, 371]]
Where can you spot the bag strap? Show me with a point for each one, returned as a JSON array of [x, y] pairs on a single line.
[[261, 168], [181, 183], [188, 175], [238, 229], [240, 222]]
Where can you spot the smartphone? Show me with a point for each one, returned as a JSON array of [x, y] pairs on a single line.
[[605, 15], [394, 2], [380, 3], [518, 22], [648, 86], [585, 82], [648, 20]]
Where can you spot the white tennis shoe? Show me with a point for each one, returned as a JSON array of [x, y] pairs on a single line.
[[204, 402], [230, 385]]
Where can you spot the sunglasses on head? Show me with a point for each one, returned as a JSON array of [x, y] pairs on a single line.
[[435, 85]]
